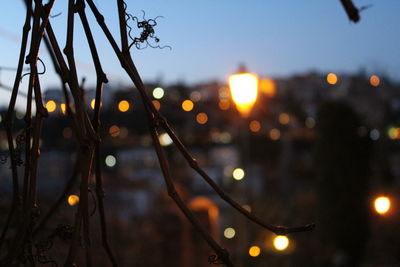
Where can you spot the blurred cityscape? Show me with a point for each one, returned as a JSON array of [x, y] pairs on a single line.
[[314, 148]]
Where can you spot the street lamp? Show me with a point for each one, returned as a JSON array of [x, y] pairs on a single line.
[[244, 90]]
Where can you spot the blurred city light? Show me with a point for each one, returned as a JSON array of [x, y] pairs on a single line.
[[63, 108], [187, 105], [202, 118], [394, 133], [238, 174], [374, 134], [51, 106], [73, 200], [310, 122], [224, 104], [254, 251], [331, 78], [255, 126], [267, 87], [247, 207], [110, 161], [229, 233], [281, 242], [195, 96], [158, 93], [123, 106], [244, 89], [284, 118], [156, 104], [374, 80], [92, 103], [114, 131], [165, 139], [382, 204], [274, 134]]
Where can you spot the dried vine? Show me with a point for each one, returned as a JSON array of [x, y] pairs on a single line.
[[24, 209]]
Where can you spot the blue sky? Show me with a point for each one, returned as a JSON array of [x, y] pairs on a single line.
[[209, 38]]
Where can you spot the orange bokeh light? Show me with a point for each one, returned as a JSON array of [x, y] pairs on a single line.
[[114, 131], [374, 80], [123, 106], [187, 105], [202, 118], [224, 104], [332, 78], [255, 126], [156, 104]]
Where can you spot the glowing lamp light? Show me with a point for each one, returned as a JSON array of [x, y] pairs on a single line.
[[73, 200], [51, 106], [281, 242], [254, 251], [382, 205], [244, 90]]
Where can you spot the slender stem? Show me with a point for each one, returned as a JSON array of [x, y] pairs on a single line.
[[128, 65]]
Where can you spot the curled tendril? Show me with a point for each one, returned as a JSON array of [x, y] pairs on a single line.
[[55, 15], [147, 28], [20, 142], [214, 259], [40, 73]]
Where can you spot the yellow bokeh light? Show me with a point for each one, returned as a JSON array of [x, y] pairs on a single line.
[[158, 93], [281, 242], [255, 126], [156, 104], [229, 233], [114, 131], [202, 118], [123, 106], [267, 87], [51, 106], [224, 104], [394, 133], [63, 108], [284, 118], [92, 103], [382, 204], [238, 174], [244, 89], [331, 78], [73, 200], [374, 80], [254, 251], [187, 105]]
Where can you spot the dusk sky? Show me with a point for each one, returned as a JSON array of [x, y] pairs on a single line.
[[209, 39]]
